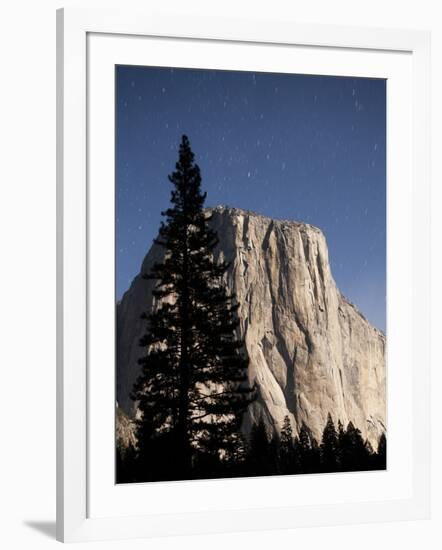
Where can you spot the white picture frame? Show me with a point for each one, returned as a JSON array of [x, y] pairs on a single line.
[[77, 400]]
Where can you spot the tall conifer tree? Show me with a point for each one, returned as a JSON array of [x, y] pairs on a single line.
[[194, 386], [329, 446], [287, 447], [381, 455], [355, 455]]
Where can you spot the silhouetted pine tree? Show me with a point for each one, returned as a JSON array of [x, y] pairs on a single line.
[[296, 467], [341, 437], [355, 455], [262, 457], [287, 448], [274, 454], [329, 447], [315, 456], [258, 452], [193, 386], [381, 455], [371, 456], [305, 450], [234, 464]]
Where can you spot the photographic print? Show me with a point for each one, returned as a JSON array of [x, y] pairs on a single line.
[[250, 290]]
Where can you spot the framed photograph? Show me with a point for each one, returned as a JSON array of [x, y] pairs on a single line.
[[243, 275]]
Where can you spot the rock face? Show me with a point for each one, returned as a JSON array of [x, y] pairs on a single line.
[[311, 351]]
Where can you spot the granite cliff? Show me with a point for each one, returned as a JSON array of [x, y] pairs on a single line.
[[311, 351]]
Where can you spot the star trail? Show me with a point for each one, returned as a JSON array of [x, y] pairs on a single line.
[[296, 147]]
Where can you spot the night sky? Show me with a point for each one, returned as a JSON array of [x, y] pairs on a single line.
[[295, 147]]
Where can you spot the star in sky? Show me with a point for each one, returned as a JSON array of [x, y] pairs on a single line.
[[307, 148]]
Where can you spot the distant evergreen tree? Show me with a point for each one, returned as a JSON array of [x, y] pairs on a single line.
[[287, 448], [296, 466], [305, 450], [315, 456], [287, 433], [341, 441], [341, 432], [381, 455], [355, 455], [234, 464], [263, 451], [193, 386], [371, 456], [368, 447], [329, 447], [274, 455], [258, 453]]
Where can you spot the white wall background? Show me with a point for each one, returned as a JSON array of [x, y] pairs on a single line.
[[27, 273]]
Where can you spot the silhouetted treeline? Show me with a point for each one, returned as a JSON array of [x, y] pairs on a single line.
[[260, 454]]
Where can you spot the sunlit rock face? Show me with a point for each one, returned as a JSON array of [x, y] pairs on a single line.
[[311, 351]]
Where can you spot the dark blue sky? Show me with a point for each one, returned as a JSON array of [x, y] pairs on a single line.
[[296, 147]]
